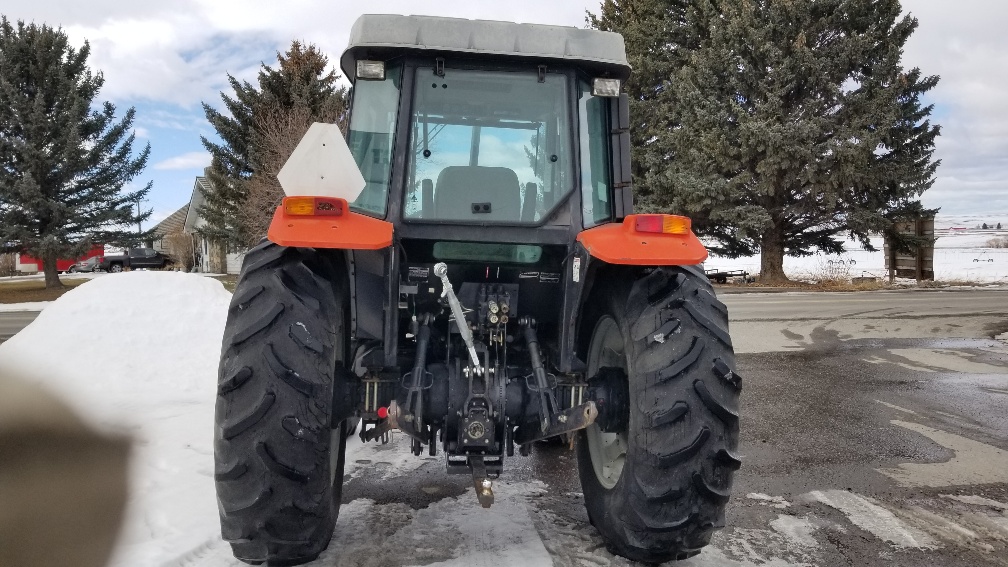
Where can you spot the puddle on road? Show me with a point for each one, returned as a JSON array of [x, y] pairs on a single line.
[[937, 360], [454, 531], [776, 335], [973, 463]]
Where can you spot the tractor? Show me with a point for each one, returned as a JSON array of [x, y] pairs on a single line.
[[464, 266]]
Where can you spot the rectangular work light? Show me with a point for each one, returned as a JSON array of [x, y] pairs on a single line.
[[606, 87], [371, 70]]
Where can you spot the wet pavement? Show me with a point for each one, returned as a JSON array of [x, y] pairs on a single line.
[[874, 432]]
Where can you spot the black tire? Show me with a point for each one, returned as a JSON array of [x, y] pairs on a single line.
[[678, 457], [279, 450], [116, 268]]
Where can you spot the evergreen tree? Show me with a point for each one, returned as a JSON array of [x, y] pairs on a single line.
[[63, 163], [778, 125], [659, 35], [299, 83]]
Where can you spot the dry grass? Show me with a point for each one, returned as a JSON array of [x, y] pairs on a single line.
[[998, 242], [27, 291], [821, 285], [954, 283], [230, 281], [30, 291]]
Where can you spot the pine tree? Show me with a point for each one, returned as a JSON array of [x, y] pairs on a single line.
[[659, 35], [779, 125], [64, 159], [243, 162]]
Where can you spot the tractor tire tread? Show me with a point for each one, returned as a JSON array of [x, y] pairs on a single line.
[[683, 432], [272, 440]]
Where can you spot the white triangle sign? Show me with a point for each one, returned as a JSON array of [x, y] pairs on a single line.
[[321, 165]]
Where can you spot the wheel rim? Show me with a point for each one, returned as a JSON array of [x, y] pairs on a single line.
[[607, 450]]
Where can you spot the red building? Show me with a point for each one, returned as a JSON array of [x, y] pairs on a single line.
[[26, 263]]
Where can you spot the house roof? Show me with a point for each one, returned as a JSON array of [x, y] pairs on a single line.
[[196, 203], [174, 223], [381, 36]]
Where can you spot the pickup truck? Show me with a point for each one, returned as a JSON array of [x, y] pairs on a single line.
[[135, 259]]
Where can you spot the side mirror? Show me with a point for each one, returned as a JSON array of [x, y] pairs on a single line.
[[620, 141]]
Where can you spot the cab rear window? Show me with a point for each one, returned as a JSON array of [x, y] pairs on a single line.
[[488, 252]]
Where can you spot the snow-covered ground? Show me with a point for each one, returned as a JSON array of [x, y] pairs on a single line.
[[961, 253], [139, 352]]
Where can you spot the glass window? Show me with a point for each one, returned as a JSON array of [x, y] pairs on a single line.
[[372, 133], [488, 146], [484, 252], [596, 201]]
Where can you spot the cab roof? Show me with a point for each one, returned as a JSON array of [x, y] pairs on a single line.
[[383, 36]]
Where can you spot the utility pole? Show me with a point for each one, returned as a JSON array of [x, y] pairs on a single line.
[[139, 228]]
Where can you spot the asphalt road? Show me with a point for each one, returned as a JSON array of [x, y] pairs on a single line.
[[13, 321], [874, 432], [881, 419]]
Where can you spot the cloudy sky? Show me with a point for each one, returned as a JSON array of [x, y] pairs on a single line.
[[165, 58]]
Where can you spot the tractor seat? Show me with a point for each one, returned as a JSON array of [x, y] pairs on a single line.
[[477, 193]]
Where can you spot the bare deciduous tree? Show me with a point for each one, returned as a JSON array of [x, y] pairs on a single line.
[[180, 249], [278, 129]]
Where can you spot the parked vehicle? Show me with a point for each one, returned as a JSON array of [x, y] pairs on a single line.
[[135, 259], [30, 265], [722, 276], [86, 266], [466, 267]]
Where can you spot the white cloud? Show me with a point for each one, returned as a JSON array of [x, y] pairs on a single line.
[[963, 42], [191, 160], [178, 54], [158, 216]]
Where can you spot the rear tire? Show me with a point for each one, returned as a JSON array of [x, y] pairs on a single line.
[[657, 488], [278, 448]]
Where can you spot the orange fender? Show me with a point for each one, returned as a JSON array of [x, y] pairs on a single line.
[[622, 243], [348, 230]]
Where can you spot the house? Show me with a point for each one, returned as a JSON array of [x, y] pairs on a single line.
[[171, 240], [171, 225], [207, 256]]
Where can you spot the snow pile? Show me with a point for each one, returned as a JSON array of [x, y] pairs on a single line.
[[139, 336], [139, 351]]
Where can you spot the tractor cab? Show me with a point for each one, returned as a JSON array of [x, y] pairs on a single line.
[[503, 124]]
